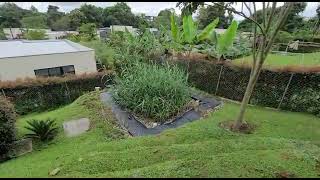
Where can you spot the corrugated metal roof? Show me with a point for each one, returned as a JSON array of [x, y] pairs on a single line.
[[18, 48]]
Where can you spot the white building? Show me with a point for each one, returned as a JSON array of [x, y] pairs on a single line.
[[59, 34], [16, 33], [22, 58]]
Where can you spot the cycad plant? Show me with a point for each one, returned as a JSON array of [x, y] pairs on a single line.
[[44, 130]]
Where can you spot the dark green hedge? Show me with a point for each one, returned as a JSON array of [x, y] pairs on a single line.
[[269, 89], [7, 126], [42, 97]]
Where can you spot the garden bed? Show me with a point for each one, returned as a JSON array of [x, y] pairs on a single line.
[[139, 127]]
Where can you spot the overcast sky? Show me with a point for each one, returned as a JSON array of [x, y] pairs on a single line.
[[149, 8]]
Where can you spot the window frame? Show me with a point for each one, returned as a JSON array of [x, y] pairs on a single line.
[[62, 71]]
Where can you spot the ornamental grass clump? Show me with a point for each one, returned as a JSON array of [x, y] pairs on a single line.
[[153, 91]]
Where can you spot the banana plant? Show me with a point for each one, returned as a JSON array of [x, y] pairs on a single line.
[[189, 35], [225, 40]]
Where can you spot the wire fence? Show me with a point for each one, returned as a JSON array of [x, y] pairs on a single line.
[[282, 90]]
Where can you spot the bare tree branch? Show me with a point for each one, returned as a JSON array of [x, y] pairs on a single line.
[[264, 14], [248, 8], [285, 13], [241, 14], [273, 9]]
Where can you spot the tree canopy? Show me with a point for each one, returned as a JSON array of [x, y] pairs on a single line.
[[293, 22], [210, 12], [163, 18], [35, 22]]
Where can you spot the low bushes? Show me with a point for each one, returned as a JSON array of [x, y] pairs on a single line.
[[307, 100], [7, 126], [152, 91], [104, 54], [42, 94]]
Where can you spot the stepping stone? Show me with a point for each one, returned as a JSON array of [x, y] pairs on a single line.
[[76, 127]]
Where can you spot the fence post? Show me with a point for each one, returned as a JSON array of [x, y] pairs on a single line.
[[4, 94], [67, 91], [218, 80], [285, 91]]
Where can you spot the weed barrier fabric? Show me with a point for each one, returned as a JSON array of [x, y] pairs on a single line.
[[136, 128]]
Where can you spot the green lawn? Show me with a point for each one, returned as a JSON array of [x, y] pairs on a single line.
[[283, 141], [279, 60]]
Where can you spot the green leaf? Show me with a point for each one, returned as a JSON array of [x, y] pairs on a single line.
[[207, 31], [225, 40], [189, 29], [174, 29]]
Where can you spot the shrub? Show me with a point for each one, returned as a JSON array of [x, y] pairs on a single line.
[[35, 35], [103, 52], [303, 35], [44, 130], [283, 37], [40, 94], [2, 35], [88, 31], [152, 91], [7, 126], [306, 100]]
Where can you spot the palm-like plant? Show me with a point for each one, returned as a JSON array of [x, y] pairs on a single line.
[[44, 130], [190, 35]]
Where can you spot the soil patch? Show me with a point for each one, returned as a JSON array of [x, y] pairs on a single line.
[[245, 128]]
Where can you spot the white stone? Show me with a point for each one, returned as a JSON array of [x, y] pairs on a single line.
[[76, 127]]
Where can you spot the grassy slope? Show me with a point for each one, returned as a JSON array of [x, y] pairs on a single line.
[[277, 60], [283, 141]]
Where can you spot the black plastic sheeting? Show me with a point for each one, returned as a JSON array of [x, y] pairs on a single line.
[[136, 128]]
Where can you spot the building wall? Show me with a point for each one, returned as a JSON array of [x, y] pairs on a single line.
[[22, 67]]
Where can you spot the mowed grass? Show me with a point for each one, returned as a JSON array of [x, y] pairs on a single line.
[[282, 142], [281, 60]]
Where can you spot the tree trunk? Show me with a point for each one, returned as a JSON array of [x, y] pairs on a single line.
[[251, 84]]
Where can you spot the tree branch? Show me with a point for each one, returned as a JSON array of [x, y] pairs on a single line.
[[241, 14], [280, 24], [271, 15]]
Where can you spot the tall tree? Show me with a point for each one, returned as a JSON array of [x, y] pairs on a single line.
[[35, 22], [11, 14], [33, 9], [188, 8], [142, 22], [92, 14], [62, 24], [264, 34], [53, 14], [76, 18], [293, 22], [206, 14], [119, 14], [163, 18]]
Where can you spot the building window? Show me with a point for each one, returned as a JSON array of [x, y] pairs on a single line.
[[68, 69], [42, 72], [55, 71]]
